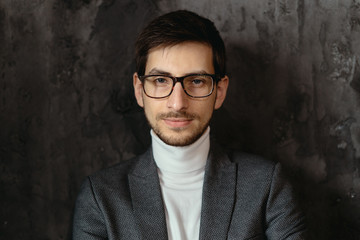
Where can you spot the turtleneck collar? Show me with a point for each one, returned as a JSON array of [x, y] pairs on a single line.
[[181, 159]]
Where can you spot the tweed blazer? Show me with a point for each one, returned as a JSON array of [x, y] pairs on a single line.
[[244, 197]]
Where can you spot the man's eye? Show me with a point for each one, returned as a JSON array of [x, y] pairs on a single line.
[[197, 81], [161, 80]]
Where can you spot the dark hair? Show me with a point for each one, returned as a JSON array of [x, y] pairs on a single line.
[[177, 27]]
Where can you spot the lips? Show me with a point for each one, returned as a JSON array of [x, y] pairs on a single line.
[[177, 122]]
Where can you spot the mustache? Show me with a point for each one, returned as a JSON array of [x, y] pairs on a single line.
[[176, 115]]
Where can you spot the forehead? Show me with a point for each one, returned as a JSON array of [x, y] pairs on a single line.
[[181, 59]]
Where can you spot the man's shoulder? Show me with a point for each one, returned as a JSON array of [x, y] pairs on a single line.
[[116, 173], [249, 158], [251, 163]]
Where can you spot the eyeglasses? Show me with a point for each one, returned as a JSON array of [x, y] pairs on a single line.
[[194, 85]]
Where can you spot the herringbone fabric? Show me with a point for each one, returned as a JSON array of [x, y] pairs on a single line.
[[244, 197]]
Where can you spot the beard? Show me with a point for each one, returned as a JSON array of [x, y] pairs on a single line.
[[178, 138]]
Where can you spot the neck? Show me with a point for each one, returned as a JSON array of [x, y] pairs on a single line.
[[185, 159]]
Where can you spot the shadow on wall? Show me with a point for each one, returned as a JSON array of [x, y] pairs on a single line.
[[268, 113]]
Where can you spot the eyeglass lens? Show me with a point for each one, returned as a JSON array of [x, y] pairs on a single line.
[[194, 85]]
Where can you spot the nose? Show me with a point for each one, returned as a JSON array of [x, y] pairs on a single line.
[[178, 100]]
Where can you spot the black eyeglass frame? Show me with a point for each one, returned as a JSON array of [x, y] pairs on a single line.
[[215, 78]]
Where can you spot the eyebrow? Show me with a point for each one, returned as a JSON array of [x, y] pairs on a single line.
[[156, 71]]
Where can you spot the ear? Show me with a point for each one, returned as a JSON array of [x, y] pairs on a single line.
[[221, 89], [138, 90]]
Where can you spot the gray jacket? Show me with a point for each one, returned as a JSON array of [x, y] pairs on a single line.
[[244, 197]]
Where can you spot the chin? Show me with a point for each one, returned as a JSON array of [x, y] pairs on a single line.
[[178, 142], [179, 139]]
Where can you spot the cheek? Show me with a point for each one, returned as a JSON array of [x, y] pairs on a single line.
[[206, 109], [150, 109]]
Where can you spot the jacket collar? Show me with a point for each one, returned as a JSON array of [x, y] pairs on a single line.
[[217, 200], [146, 198], [218, 195]]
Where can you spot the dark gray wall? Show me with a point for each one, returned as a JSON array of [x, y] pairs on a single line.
[[67, 107]]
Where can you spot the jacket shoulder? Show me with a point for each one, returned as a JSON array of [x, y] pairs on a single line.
[[251, 161], [116, 174]]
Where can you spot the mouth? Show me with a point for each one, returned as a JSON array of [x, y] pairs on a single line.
[[177, 122]]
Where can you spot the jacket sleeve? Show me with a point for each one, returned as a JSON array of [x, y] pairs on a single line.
[[88, 222], [283, 216]]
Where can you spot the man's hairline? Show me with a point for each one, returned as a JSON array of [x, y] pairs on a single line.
[[169, 45]]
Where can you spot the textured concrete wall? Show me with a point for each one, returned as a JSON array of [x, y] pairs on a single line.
[[67, 107]]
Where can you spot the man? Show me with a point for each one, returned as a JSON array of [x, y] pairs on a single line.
[[185, 186]]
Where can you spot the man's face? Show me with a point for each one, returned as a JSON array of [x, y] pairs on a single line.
[[180, 120]]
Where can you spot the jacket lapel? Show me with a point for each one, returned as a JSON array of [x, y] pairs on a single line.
[[218, 195], [146, 198]]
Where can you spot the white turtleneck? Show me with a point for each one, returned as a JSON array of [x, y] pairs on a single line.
[[181, 173]]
